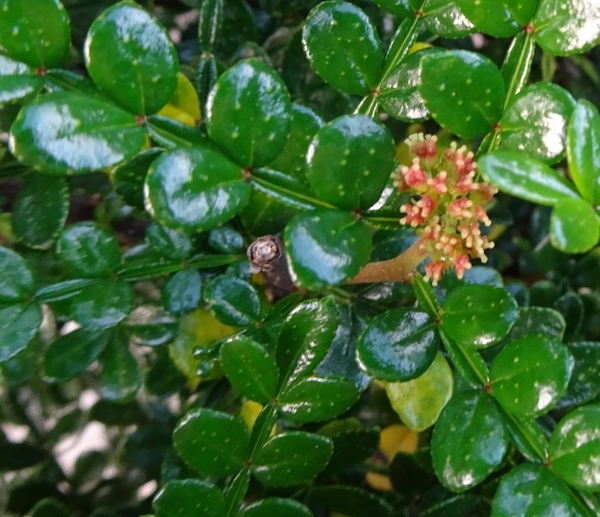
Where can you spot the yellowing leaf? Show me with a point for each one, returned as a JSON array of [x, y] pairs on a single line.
[[184, 105], [398, 438], [200, 328], [250, 411]]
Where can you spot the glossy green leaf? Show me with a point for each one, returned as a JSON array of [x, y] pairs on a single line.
[[531, 489], [316, 399], [274, 201], [463, 91], [88, 250], [351, 444], [478, 315], [517, 62], [49, 508], [350, 161], [340, 360], [291, 458], [276, 507], [292, 159], [400, 95], [305, 337], [585, 380], [128, 178], [444, 18], [570, 306], [350, 501], [195, 189], [397, 7], [564, 27], [103, 305], [326, 247], [22, 366], [233, 301], [167, 132], [530, 374], [524, 177], [17, 281], [130, 56], [528, 437], [121, 373], [537, 321], [70, 355], [40, 37], [212, 442], [575, 448], [19, 322], [398, 345], [18, 82], [343, 47], [535, 122], [469, 440], [467, 361], [182, 293], [574, 226], [72, 133], [420, 401], [226, 239], [583, 150], [250, 368], [498, 19], [170, 243], [248, 113], [184, 497], [412, 474], [40, 190]]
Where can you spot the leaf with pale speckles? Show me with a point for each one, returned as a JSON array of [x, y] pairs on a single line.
[[186, 497], [88, 250], [398, 345], [18, 82], [71, 133], [316, 399], [233, 301], [291, 458], [531, 489], [343, 46], [498, 19], [129, 55], [38, 35], [212, 442], [326, 247], [195, 189], [530, 374], [49, 193], [565, 27], [535, 122], [478, 315], [575, 448], [464, 91], [250, 368], [305, 337], [249, 113], [276, 507], [350, 161], [469, 440], [444, 18]]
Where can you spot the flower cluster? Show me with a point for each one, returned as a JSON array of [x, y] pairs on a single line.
[[447, 207]]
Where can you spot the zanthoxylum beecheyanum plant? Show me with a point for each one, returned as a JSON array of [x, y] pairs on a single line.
[[246, 244]]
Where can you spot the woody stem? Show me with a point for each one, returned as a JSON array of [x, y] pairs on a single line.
[[399, 269]]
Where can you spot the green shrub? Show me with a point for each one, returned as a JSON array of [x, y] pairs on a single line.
[[244, 258]]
